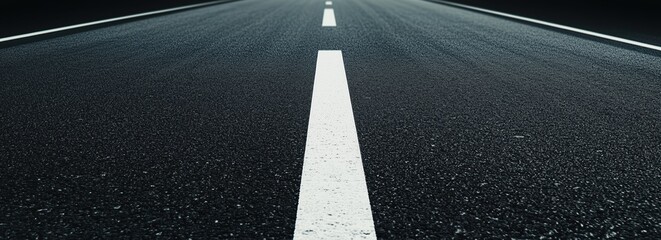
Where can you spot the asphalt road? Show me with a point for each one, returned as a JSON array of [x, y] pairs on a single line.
[[193, 125]]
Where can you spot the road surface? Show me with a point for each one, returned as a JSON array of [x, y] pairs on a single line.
[[194, 125]]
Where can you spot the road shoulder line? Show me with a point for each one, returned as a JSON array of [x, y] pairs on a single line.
[[88, 24], [553, 25]]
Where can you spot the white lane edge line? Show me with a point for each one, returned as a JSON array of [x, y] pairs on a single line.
[[333, 200], [329, 3], [573, 29], [26, 35], [329, 18]]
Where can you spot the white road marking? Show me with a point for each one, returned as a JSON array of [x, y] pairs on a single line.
[[106, 21], [586, 32], [329, 3], [329, 18], [333, 202]]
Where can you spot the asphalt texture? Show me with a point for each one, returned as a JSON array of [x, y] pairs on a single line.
[[193, 125]]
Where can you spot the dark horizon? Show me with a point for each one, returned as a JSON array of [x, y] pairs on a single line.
[[637, 20]]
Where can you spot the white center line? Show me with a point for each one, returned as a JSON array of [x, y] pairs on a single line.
[[333, 202], [329, 18], [329, 3]]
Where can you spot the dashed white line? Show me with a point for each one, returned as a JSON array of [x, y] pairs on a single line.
[[329, 18], [333, 201], [572, 29], [329, 3], [105, 21]]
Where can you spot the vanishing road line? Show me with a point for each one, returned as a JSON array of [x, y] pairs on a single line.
[[329, 18], [329, 3], [563, 27], [333, 202], [107, 21]]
